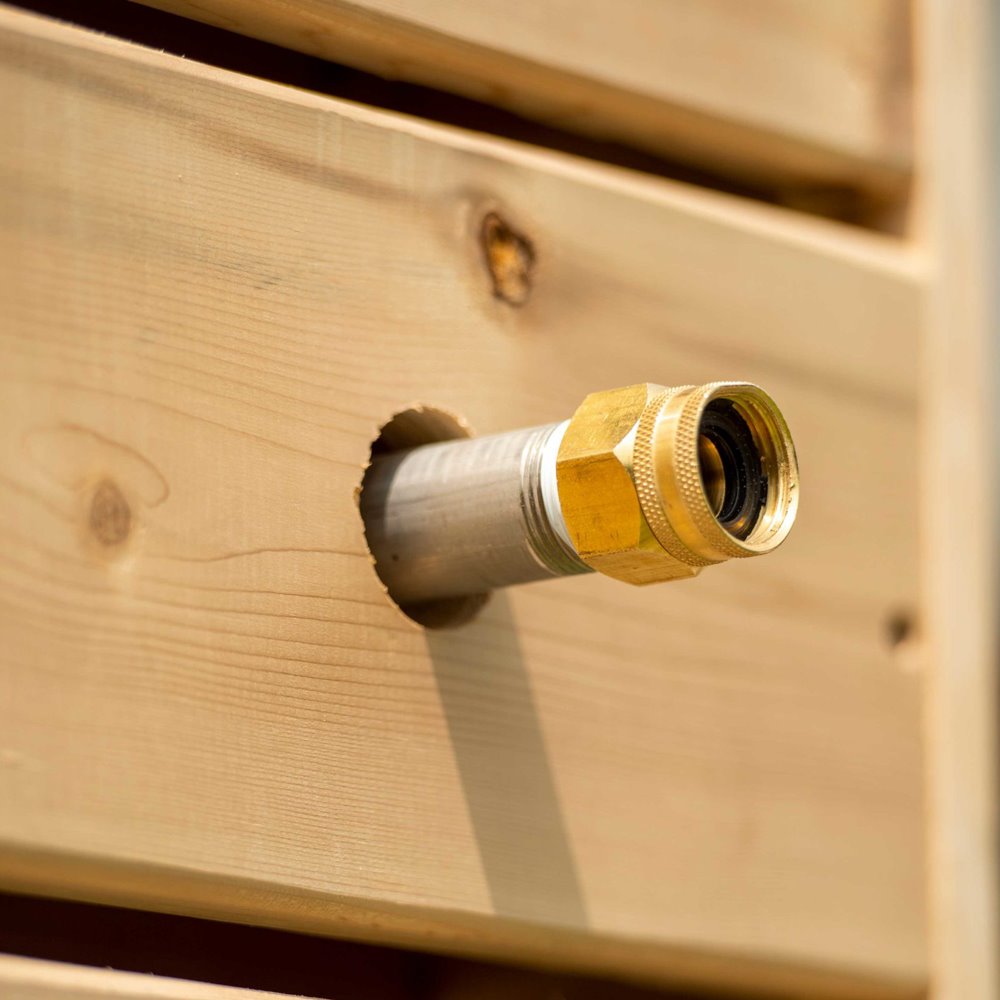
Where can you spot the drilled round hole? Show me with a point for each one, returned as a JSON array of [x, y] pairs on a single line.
[[415, 426]]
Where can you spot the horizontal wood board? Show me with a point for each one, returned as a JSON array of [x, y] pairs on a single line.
[[214, 291], [34, 979], [804, 92]]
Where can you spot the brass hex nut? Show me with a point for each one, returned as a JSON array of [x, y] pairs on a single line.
[[598, 492]]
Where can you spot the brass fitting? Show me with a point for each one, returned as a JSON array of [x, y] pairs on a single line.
[[643, 483], [655, 482]]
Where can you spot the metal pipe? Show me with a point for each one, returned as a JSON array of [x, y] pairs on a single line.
[[466, 516], [644, 483]]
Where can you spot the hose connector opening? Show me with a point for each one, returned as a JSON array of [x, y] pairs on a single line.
[[726, 471]]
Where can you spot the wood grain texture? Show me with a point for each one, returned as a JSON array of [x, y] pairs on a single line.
[[802, 90], [214, 291], [961, 495], [33, 979]]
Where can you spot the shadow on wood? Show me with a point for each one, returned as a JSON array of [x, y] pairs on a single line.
[[506, 775]]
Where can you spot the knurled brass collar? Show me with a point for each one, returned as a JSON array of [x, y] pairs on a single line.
[[675, 458], [644, 474]]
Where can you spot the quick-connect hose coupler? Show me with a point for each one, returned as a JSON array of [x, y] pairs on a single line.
[[644, 484]]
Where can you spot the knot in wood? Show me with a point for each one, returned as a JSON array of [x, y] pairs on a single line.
[[110, 519], [510, 259]]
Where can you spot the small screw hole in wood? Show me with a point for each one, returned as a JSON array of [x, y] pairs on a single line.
[[899, 627]]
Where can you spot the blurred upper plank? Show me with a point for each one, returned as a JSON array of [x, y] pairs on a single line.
[[796, 92]]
